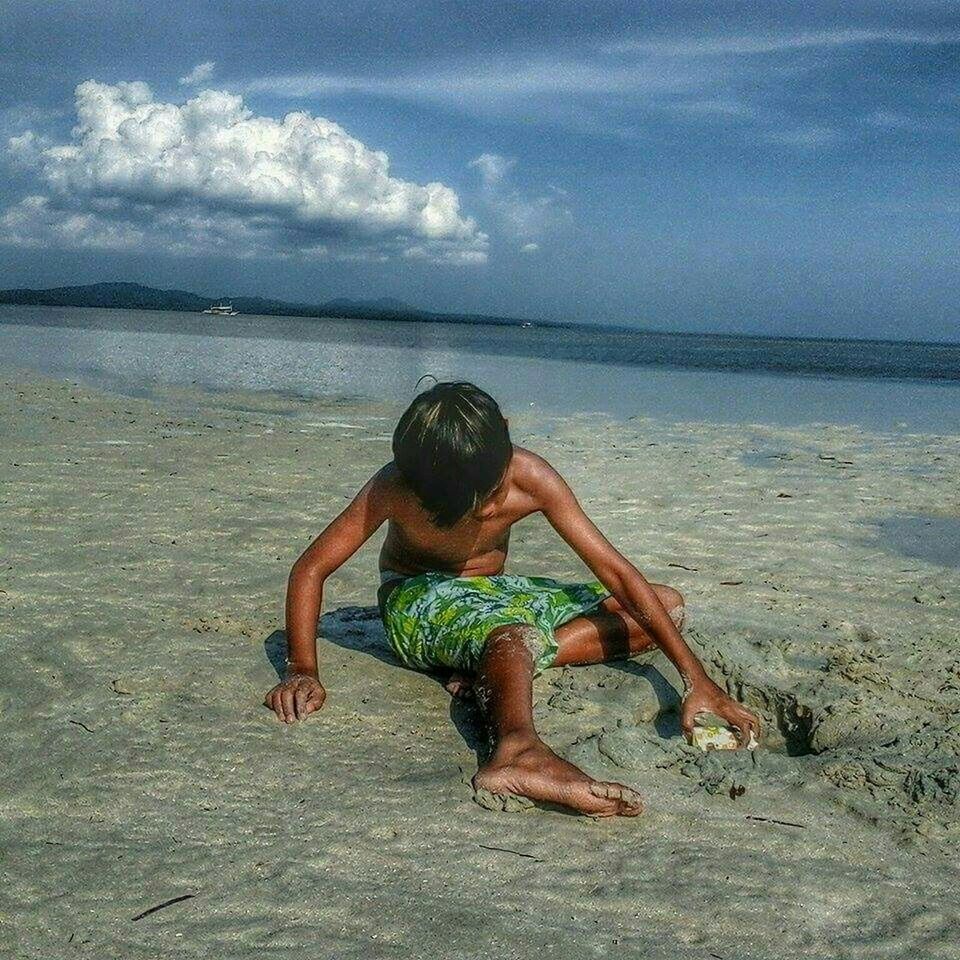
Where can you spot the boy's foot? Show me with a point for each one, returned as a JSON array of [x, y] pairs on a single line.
[[533, 770], [459, 685]]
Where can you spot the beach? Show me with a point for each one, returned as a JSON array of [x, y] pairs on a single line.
[[145, 545]]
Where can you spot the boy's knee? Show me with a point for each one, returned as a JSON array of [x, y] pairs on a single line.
[[515, 637], [674, 603], [671, 598]]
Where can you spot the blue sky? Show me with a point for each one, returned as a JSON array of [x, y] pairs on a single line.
[[777, 168]]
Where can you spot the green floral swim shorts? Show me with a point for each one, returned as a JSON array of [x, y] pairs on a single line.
[[435, 620]]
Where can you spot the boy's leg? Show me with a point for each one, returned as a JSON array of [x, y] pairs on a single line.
[[522, 764], [610, 633]]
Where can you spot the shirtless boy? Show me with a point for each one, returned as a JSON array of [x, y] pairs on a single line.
[[449, 498]]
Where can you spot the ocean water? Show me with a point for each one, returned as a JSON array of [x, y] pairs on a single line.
[[878, 384]]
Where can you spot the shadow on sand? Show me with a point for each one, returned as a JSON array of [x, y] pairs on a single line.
[[360, 629]]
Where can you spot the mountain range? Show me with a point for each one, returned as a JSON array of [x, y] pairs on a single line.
[[135, 296]]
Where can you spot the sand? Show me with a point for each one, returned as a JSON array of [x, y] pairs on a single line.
[[144, 548]]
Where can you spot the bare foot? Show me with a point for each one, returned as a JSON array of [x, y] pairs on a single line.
[[531, 769], [459, 685]]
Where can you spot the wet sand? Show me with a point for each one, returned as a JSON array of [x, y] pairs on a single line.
[[144, 548]]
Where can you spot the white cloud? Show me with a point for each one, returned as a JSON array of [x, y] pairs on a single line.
[[475, 85], [521, 218], [665, 65], [715, 108], [616, 87], [886, 118], [778, 43], [803, 136], [524, 218], [493, 168], [14, 119], [201, 73], [26, 150], [208, 175]]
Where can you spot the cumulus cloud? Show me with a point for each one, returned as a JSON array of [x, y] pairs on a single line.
[[524, 219], [209, 176], [201, 73], [15, 118]]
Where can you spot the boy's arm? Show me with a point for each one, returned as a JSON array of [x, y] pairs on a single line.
[[639, 599], [301, 693]]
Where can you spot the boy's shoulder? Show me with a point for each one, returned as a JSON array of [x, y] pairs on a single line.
[[386, 482], [528, 469], [536, 476]]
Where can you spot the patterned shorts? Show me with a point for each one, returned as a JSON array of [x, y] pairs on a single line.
[[435, 620]]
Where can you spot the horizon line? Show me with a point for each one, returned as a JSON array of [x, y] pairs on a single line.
[[478, 318]]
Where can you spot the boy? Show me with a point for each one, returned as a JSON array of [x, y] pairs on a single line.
[[450, 496]]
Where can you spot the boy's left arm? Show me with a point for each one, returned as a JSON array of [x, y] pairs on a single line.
[[639, 599]]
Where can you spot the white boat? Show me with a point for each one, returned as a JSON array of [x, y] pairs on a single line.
[[221, 310]]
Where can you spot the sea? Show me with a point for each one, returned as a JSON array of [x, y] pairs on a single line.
[[880, 385]]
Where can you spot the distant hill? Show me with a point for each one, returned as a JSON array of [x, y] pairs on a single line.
[[135, 296], [132, 296]]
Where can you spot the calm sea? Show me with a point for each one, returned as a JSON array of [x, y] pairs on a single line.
[[885, 385]]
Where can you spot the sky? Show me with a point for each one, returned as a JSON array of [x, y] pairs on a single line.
[[769, 167]]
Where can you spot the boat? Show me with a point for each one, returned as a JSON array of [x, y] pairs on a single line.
[[221, 310]]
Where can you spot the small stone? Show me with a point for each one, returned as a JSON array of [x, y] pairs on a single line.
[[714, 738]]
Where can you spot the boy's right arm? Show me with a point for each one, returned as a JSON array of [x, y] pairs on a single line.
[[300, 693]]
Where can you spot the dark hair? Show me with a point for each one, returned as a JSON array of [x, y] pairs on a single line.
[[452, 447]]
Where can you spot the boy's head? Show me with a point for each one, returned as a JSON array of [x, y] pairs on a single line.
[[452, 448]]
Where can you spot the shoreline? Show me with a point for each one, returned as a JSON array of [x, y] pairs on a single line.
[[146, 545]]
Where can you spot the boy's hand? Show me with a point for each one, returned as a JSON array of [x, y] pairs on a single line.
[[296, 697], [707, 697]]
